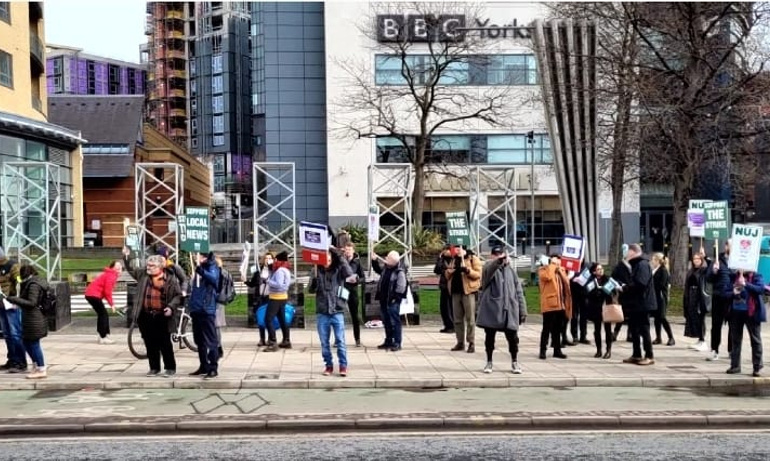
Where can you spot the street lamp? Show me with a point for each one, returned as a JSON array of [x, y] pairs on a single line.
[[531, 142]]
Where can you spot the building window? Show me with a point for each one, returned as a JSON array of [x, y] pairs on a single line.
[[516, 150], [216, 84], [513, 149], [219, 123], [57, 85], [511, 70], [495, 70], [5, 12], [449, 149], [6, 69], [219, 140], [193, 87], [216, 64], [193, 71], [218, 104], [195, 143]]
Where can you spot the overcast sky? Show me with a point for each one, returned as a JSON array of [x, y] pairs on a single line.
[[108, 28]]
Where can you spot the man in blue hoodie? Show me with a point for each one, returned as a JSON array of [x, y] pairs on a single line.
[[203, 309]]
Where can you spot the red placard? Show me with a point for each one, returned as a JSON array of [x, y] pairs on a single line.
[[320, 258], [570, 265]]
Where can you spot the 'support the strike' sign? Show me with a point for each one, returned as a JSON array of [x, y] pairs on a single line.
[[194, 230], [744, 250], [717, 222], [457, 228]]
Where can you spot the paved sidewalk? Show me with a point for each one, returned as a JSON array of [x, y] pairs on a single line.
[[76, 361]]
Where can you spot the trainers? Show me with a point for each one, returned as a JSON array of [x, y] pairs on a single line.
[[5, 367], [671, 342], [488, 368], [169, 373], [17, 369], [733, 370], [285, 345], [632, 360], [516, 368], [343, 371], [645, 361], [471, 348], [152, 373], [37, 374], [703, 347], [328, 371], [713, 356], [458, 347], [106, 340], [756, 374]]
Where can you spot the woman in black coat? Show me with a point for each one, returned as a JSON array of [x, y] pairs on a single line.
[[662, 279], [595, 300], [622, 275], [697, 301], [34, 325]]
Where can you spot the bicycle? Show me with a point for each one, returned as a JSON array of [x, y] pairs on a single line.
[[181, 336]]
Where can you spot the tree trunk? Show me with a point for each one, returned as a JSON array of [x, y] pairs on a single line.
[[418, 196], [680, 237]]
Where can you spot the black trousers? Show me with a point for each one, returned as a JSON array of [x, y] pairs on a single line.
[[512, 336], [205, 336], [353, 306], [639, 326], [102, 317], [579, 318], [445, 307], [276, 307], [553, 325], [720, 308], [661, 323], [738, 320], [598, 335], [157, 340]]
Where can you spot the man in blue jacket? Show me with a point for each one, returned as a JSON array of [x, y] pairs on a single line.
[[748, 310], [203, 309]]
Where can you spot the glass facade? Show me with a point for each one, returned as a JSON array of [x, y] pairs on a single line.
[[476, 70], [507, 149]]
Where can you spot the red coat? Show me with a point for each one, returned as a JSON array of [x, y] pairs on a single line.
[[103, 285]]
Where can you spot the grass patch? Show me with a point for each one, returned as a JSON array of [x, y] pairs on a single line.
[[74, 266]]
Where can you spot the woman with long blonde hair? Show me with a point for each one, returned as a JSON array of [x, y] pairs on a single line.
[[662, 279]]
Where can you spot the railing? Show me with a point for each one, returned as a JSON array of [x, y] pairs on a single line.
[[36, 48], [175, 54], [177, 93], [178, 113], [171, 14]]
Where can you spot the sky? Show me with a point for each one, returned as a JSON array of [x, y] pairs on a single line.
[[107, 28]]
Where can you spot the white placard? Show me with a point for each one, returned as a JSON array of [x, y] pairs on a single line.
[[373, 226], [314, 236], [744, 248], [696, 222], [573, 247]]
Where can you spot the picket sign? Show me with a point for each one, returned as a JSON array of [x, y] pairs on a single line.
[[745, 247]]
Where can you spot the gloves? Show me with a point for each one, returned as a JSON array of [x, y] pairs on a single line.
[[522, 320]]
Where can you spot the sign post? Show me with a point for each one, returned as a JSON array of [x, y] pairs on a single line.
[[194, 230], [458, 232]]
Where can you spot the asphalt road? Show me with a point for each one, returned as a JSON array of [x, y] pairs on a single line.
[[682, 446]]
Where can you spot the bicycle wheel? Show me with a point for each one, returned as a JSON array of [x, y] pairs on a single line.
[[136, 343], [187, 337]]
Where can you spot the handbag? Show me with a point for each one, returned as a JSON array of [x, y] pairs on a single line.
[[613, 313]]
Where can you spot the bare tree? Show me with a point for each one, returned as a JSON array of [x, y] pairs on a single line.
[[418, 98]]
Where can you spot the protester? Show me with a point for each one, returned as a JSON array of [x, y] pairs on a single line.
[[175, 269], [622, 274], [596, 298], [697, 300], [10, 319], [353, 284], [391, 290], [445, 298], [220, 319], [278, 295], [748, 310], [502, 306], [661, 278], [259, 283], [579, 317], [640, 292], [99, 289], [331, 299], [34, 324], [721, 301], [158, 296], [463, 289], [203, 310], [555, 305]]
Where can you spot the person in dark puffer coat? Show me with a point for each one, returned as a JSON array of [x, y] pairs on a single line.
[[34, 325]]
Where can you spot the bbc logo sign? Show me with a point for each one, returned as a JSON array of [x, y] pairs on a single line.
[[420, 28]]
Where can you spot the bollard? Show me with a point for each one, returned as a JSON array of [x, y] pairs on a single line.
[[524, 246], [548, 248]]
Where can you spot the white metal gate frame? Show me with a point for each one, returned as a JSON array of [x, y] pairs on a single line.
[[147, 188], [43, 180], [393, 181], [502, 178]]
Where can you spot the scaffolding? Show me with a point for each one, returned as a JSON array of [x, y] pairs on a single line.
[[390, 189], [31, 203], [159, 197], [491, 224], [275, 223]]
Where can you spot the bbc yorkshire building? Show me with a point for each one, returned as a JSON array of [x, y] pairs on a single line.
[[510, 62]]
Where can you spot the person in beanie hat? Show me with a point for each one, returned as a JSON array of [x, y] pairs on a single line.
[[278, 294], [203, 310]]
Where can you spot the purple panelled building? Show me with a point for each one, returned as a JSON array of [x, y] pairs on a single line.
[[70, 71]]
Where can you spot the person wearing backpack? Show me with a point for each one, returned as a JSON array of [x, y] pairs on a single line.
[[259, 283], [34, 324], [225, 295], [100, 289], [203, 310], [278, 294], [10, 319]]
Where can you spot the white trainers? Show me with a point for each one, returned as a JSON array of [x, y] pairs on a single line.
[[699, 346], [106, 340], [516, 368], [703, 347], [488, 368], [713, 356], [38, 374]]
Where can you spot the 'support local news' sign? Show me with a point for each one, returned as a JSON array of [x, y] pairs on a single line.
[[194, 230], [745, 247]]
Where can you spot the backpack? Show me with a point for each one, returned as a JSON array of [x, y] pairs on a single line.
[[226, 291], [48, 302]]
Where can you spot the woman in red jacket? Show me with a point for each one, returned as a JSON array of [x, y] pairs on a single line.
[[101, 288]]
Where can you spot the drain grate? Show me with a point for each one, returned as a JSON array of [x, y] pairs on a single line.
[[682, 367]]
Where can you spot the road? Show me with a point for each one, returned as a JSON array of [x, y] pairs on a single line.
[[685, 446]]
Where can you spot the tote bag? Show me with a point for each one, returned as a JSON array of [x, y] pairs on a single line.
[[613, 313]]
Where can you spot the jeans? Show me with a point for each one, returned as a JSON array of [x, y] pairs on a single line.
[[353, 305], [157, 340], [394, 318], [445, 306], [102, 318], [719, 309], [639, 326], [512, 336], [739, 319], [276, 307], [35, 352], [553, 322], [11, 322], [205, 336], [326, 323]]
